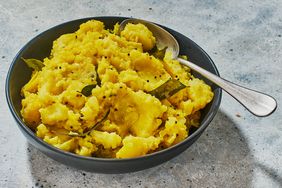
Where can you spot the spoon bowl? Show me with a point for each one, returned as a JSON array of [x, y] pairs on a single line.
[[258, 103]]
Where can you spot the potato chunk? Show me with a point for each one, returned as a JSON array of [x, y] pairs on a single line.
[[53, 114], [139, 33], [108, 140], [137, 146]]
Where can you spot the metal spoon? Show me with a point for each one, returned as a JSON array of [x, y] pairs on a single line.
[[258, 103]]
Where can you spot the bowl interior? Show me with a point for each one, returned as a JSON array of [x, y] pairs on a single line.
[[40, 46]]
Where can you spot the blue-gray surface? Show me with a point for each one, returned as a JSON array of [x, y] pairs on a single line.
[[237, 150]]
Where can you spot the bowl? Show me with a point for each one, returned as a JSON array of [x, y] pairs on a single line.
[[39, 47]]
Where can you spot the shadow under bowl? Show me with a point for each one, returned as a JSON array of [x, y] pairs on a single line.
[[40, 46]]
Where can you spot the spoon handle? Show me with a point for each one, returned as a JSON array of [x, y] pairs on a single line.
[[258, 103]]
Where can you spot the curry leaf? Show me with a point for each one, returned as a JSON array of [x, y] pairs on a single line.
[[158, 53], [167, 89], [96, 126], [86, 91], [99, 123], [34, 64], [98, 80]]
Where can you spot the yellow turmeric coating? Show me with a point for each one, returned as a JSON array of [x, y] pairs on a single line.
[[138, 123]]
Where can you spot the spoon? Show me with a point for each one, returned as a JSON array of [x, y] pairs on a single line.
[[258, 103]]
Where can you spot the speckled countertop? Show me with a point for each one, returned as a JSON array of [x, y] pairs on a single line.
[[243, 37]]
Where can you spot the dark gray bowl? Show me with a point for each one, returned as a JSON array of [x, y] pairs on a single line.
[[40, 46]]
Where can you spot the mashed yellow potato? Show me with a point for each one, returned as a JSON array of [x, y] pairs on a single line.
[[120, 117]]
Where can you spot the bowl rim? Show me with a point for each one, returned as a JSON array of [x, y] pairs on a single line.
[[205, 122]]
